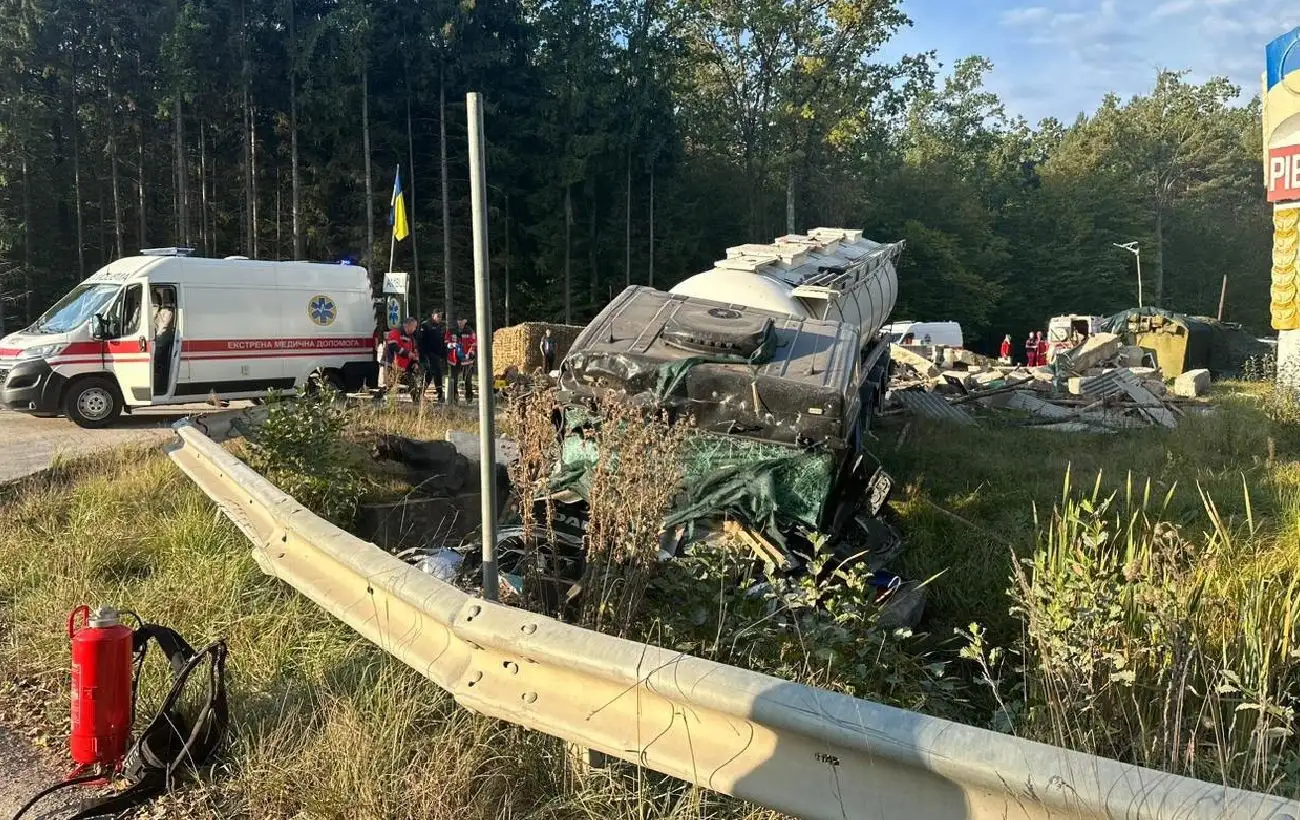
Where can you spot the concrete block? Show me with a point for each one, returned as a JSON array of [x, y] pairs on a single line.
[[1098, 350], [1193, 383], [961, 377], [987, 378], [914, 360], [1155, 387], [1130, 356], [1042, 374]]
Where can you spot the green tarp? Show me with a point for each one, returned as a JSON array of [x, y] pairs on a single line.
[[760, 484]]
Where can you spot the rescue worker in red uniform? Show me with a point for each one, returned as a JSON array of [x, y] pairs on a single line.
[[403, 357], [462, 350], [1004, 354], [1031, 351], [1041, 344]]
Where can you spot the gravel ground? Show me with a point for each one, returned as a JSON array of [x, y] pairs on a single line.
[[29, 444], [24, 771]]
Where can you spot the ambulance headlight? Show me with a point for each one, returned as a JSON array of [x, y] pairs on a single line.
[[40, 352]]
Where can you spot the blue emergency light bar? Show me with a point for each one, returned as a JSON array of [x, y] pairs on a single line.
[[166, 251]]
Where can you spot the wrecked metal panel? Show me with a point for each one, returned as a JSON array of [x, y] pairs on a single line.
[[932, 405], [735, 369], [1114, 383], [1029, 403]]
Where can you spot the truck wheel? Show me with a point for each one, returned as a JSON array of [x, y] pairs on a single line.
[[92, 402]]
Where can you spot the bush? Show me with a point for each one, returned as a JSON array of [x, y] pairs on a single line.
[[1168, 646], [716, 603], [301, 450]]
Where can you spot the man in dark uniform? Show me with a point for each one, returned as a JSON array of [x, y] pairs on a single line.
[[432, 342]]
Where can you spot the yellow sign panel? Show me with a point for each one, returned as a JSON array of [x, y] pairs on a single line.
[[1281, 124]]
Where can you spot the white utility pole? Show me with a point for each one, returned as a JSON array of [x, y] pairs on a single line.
[[1132, 247]]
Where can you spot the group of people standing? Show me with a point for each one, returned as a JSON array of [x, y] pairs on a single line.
[[423, 352], [1035, 349]]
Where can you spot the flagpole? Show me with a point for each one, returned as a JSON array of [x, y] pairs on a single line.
[[392, 247]]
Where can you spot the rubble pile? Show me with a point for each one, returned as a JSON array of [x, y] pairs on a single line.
[[1099, 387]]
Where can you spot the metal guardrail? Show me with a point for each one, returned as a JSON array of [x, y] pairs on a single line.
[[793, 748]]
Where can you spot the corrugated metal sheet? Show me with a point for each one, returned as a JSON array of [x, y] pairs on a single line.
[[932, 405], [1114, 383], [1028, 402]]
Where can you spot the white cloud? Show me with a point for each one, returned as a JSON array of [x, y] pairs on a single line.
[[1026, 16], [1076, 51], [1173, 8]]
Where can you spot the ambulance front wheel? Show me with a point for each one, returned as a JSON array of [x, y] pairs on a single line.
[[92, 402]]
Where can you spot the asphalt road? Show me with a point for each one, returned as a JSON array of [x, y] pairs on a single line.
[[29, 444]]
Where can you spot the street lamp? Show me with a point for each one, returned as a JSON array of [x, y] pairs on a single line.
[[1132, 247]]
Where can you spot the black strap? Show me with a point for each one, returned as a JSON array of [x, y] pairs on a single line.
[[169, 743]]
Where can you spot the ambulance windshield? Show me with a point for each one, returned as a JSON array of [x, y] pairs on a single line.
[[75, 309]]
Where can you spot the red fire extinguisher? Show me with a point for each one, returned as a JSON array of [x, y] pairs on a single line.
[[101, 688]]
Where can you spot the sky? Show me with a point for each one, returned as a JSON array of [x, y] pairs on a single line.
[[1060, 57]]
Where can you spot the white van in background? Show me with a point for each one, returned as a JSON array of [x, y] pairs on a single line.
[[240, 328], [942, 334]]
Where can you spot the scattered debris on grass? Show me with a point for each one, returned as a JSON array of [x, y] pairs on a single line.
[[1099, 387]]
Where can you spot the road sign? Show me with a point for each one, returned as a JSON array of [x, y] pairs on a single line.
[[396, 283], [394, 311]]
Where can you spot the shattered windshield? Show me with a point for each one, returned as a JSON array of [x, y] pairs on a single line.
[[75, 309]]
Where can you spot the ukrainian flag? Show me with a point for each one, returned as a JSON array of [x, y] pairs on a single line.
[[397, 216]]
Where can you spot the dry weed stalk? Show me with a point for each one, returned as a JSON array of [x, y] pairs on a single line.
[[528, 421], [640, 466]]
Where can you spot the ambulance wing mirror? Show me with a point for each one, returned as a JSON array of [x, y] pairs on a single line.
[[98, 327]]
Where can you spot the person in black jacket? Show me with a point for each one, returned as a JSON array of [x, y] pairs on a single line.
[[432, 342], [548, 348]]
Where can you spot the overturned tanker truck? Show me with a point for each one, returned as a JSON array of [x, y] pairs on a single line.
[[775, 356]]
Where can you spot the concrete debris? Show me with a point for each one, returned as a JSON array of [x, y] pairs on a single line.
[[920, 365], [959, 378], [1100, 348], [1101, 387], [1043, 374], [1129, 356], [1192, 384]]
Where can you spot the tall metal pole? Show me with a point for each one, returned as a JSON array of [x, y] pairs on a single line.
[[1223, 296], [483, 314], [1138, 253]]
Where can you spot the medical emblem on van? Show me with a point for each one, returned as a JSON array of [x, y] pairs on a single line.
[[322, 310]]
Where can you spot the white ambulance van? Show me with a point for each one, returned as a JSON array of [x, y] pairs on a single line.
[[169, 328]]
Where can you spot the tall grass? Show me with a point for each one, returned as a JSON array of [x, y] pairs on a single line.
[[1164, 644], [325, 724]]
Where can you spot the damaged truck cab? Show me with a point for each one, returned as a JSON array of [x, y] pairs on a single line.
[[776, 356]]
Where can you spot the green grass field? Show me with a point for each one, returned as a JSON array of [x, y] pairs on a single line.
[[326, 724], [1153, 632]]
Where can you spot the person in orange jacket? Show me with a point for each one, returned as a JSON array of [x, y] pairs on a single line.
[[462, 350]]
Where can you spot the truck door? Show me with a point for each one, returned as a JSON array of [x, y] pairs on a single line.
[[126, 349]]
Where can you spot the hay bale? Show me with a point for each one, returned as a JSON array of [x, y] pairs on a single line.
[[519, 346]]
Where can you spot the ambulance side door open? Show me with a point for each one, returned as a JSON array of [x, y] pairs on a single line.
[[127, 345]]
